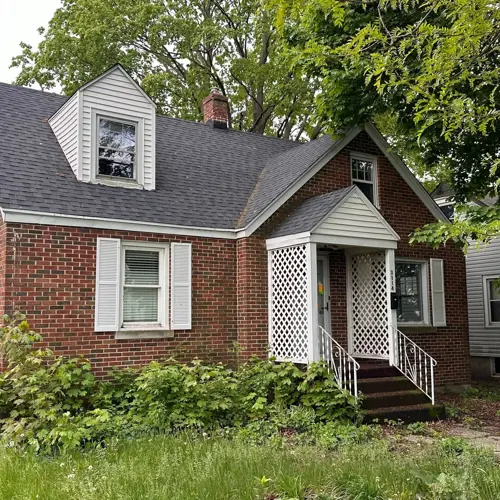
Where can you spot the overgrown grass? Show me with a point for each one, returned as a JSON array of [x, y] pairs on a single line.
[[188, 468]]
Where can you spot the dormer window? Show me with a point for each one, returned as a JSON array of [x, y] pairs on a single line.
[[117, 149], [364, 175]]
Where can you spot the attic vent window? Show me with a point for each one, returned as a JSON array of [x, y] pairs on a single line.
[[117, 149]]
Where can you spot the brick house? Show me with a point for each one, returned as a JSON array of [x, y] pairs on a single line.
[[127, 236]]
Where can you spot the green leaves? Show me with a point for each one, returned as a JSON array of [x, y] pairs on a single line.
[[426, 72], [178, 51]]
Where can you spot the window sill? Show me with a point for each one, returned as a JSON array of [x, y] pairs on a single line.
[[144, 333], [417, 329], [117, 182]]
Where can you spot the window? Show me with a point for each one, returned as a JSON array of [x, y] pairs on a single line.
[[496, 366], [448, 210], [142, 288], [144, 282], [492, 301], [412, 292], [364, 175], [117, 149]]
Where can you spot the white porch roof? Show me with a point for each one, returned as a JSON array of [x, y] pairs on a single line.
[[344, 218]]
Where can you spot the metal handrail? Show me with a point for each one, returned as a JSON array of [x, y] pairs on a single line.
[[414, 363], [344, 366]]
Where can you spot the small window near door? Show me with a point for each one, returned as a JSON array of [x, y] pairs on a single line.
[[364, 175], [492, 301], [411, 289]]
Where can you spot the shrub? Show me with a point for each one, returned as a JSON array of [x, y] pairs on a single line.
[[50, 402]]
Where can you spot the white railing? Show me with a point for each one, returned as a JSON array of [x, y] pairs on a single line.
[[414, 363], [343, 365]]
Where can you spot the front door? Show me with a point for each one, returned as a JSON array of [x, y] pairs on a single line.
[[324, 315]]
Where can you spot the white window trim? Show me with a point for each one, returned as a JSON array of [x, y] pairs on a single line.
[[374, 182], [163, 301], [138, 181], [486, 302], [425, 291]]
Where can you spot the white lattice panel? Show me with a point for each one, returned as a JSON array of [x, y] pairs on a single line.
[[370, 328], [288, 304]]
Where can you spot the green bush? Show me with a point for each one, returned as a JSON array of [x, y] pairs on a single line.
[[50, 402]]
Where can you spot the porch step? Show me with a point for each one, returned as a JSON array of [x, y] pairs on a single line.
[[416, 413], [389, 395], [377, 371], [382, 400], [384, 384]]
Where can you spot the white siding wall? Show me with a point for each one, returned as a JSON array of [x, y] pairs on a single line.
[[115, 95], [353, 218], [64, 124], [484, 341]]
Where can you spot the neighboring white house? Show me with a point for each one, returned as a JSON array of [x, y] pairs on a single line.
[[483, 297]]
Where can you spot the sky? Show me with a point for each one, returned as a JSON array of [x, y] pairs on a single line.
[[19, 21]]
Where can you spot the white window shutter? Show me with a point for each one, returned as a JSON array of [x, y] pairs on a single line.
[[437, 291], [107, 300], [181, 286]]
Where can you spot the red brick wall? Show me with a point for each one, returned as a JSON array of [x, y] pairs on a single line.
[[405, 212], [51, 277], [3, 253]]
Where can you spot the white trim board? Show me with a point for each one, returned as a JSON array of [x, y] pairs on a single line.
[[52, 219]]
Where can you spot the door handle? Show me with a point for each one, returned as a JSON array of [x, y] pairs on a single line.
[[325, 308]]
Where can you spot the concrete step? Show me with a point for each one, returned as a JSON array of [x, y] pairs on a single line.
[[382, 400], [417, 413], [384, 384]]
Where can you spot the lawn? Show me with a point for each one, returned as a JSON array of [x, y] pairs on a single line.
[[187, 468]]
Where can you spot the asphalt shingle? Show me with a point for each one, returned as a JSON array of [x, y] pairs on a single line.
[[306, 216], [206, 177]]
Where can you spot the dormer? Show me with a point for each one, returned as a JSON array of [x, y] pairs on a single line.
[[107, 132]]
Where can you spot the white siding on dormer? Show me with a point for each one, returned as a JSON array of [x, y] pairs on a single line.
[[115, 95], [354, 218], [64, 124]]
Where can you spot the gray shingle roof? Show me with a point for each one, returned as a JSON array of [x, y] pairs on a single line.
[[306, 216], [206, 177]]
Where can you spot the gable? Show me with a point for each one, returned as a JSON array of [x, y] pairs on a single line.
[[116, 95], [354, 216], [312, 167]]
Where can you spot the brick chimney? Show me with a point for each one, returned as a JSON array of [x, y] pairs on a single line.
[[215, 109]]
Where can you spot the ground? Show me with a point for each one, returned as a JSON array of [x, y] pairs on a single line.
[[397, 463]]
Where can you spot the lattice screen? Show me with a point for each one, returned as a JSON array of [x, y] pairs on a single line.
[[289, 303], [370, 328]]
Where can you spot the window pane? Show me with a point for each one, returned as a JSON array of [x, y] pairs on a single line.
[[362, 170], [117, 151], [117, 135], [115, 169], [366, 188], [494, 290], [140, 305], [495, 311], [142, 267], [409, 291]]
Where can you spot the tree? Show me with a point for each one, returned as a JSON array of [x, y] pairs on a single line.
[[178, 50], [427, 72]]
